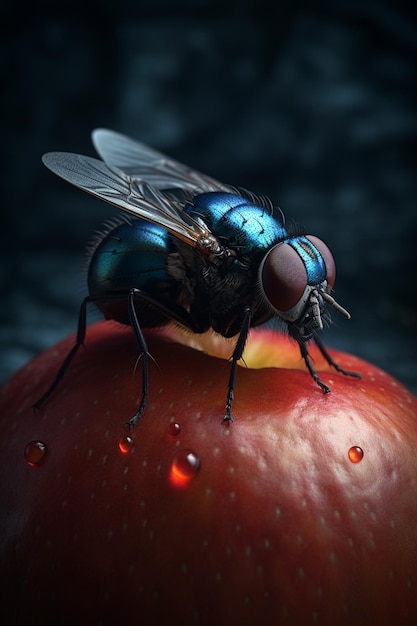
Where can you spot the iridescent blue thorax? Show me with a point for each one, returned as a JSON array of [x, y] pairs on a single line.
[[251, 230], [244, 226]]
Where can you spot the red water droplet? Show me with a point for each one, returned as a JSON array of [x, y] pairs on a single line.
[[184, 467], [355, 454], [126, 444], [35, 452], [174, 429]]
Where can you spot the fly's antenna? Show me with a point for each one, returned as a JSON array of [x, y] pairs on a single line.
[[338, 307]]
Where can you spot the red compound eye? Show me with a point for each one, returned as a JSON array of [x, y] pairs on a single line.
[[284, 274], [284, 277], [327, 258]]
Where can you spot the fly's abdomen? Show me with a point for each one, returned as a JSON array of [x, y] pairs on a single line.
[[132, 255]]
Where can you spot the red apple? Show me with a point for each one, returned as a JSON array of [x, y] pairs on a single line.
[[302, 511]]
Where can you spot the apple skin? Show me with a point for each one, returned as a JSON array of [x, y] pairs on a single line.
[[274, 524]]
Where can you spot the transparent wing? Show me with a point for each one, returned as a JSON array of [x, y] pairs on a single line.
[[140, 161], [132, 195]]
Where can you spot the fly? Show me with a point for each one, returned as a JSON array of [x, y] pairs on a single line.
[[195, 252]]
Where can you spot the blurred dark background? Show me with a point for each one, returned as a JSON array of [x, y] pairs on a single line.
[[314, 105]]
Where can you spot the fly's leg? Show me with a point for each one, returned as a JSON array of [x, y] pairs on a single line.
[[144, 354], [81, 329], [305, 355], [81, 332], [237, 354], [173, 313], [331, 361]]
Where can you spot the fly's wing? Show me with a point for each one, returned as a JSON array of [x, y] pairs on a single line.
[[132, 195], [140, 161]]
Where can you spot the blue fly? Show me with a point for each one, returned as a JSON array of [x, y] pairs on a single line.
[[195, 252]]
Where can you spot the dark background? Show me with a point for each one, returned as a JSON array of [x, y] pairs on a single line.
[[313, 105]]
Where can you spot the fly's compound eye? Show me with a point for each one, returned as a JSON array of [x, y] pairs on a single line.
[[287, 274], [283, 277], [328, 260]]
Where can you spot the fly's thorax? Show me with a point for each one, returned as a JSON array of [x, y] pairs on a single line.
[[238, 222]]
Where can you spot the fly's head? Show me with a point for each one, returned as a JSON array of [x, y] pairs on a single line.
[[296, 278], [310, 314]]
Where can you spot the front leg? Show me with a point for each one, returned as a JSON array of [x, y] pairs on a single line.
[[331, 361], [310, 367]]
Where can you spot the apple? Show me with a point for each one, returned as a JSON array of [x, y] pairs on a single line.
[[301, 511]]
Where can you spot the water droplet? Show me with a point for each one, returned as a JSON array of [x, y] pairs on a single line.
[[184, 467], [355, 454], [174, 429], [35, 453], [126, 444]]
